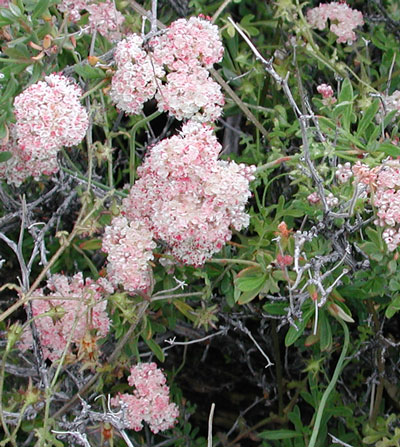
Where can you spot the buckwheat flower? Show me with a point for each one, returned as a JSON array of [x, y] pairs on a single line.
[[191, 95], [284, 260], [327, 94], [313, 198], [150, 401], [73, 8], [187, 43], [129, 246], [49, 116], [137, 76], [344, 172], [391, 237], [189, 198], [343, 20], [78, 308], [331, 200], [22, 165], [364, 174], [325, 90], [106, 19]]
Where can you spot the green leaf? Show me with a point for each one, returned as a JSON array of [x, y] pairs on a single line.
[[295, 418], [155, 348], [88, 72], [246, 297], [293, 334], [368, 117], [4, 156], [40, 8], [248, 283], [7, 16], [91, 244], [276, 308], [18, 51], [185, 309], [345, 104], [389, 149], [273, 435], [325, 331], [4, 132], [374, 236], [393, 307], [14, 9]]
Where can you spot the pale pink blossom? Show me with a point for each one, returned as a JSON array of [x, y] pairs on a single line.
[[187, 43], [49, 116], [384, 187], [391, 237], [18, 168], [313, 198], [78, 308], [189, 198], [137, 75], [344, 172], [73, 8], [129, 246], [327, 94], [106, 19], [364, 174], [325, 90], [192, 95], [343, 20], [331, 200], [150, 401]]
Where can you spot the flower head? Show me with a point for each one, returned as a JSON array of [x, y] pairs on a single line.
[[77, 309], [106, 19], [136, 78], [49, 116], [150, 400], [189, 198], [187, 43], [129, 246], [343, 20]]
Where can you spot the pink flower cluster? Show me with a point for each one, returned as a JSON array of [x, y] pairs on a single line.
[[343, 20], [327, 94], [73, 8], [17, 169], [175, 71], [103, 16], [106, 19], [191, 95], [150, 400], [137, 76], [49, 116], [187, 197], [79, 309], [344, 172], [188, 43], [129, 246], [384, 182]]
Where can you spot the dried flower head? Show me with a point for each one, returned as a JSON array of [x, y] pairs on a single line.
[[78, 308]]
